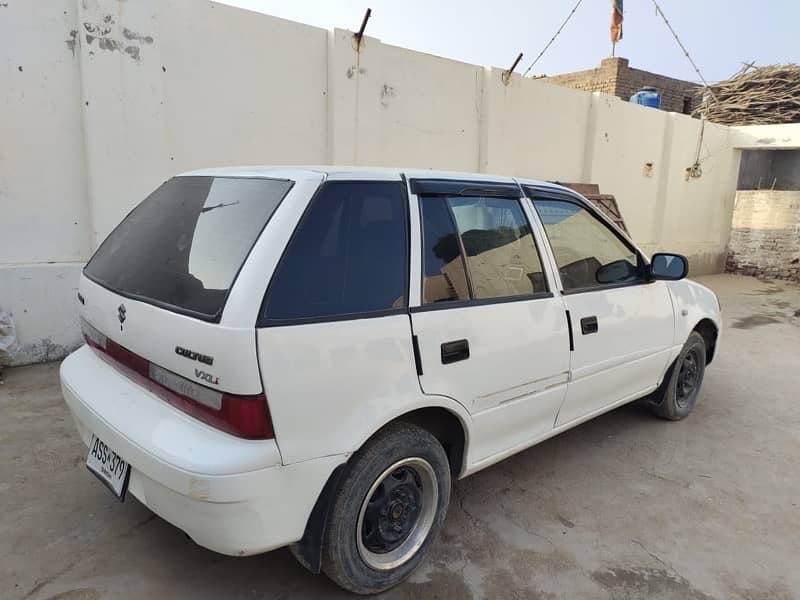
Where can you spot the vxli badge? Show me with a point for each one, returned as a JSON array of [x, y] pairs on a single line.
[[207, 377]]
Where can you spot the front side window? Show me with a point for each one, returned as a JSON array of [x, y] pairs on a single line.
[[348, 255], [495, 240], [587, 252]]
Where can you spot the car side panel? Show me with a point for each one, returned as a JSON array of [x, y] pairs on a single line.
[[628, 352], [331, 385], [515, 378], [693, 302]]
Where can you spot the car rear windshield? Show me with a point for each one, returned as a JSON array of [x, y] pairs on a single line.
[[183, 246]]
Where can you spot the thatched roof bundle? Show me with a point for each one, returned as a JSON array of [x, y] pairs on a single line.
[[754, 96]]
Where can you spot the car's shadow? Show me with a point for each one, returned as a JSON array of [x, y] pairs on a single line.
[[277, 575]]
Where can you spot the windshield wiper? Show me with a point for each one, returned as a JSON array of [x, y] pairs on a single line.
[[220, 205]]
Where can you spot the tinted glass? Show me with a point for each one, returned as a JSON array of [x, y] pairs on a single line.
[[347, 256], [501, 255], [444, 267], [184, 244], [587, 252]]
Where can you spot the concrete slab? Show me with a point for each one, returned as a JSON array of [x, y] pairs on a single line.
[[625, 506]]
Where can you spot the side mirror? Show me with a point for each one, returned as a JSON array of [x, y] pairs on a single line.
[[670, 267], [616, 272]]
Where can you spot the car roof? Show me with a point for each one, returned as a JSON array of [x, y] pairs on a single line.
[[330, 172]]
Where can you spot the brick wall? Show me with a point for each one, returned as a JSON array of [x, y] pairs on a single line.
[[615, 76], [765, 234], [601, 79]]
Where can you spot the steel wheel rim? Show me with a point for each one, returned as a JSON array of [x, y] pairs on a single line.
[[405, 495], [688, 377]]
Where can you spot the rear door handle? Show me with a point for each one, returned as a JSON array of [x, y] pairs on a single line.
[[588, 325], [455, 351]]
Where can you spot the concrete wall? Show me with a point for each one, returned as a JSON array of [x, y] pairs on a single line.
[[766, 137], [45, 221], [114, 96], [522, 134], [765, 238]]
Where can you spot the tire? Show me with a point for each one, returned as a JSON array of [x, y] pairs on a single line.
[[387, 511], [675, 400]]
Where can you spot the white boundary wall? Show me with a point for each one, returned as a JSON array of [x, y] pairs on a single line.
[[102, 100]]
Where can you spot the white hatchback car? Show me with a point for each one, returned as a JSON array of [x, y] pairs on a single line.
[[308, 356]]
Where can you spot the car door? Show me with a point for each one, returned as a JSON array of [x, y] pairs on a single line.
[[333, 337], [489, 331], [622, 322]]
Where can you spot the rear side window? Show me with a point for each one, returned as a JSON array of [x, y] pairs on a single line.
[[348, 255], [445, 278], [183, 246], [496, 240]]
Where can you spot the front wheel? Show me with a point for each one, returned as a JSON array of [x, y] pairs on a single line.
[[388, 510], [676, 399]]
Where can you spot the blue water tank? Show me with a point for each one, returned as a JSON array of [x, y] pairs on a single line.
[[647, 96]]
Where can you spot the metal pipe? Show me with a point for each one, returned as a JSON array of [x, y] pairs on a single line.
[[507, 74], [360, 33]]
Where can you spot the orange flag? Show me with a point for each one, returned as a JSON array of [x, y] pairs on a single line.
[[616, 21]]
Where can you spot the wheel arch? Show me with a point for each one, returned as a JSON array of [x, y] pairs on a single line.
[[446, 427], [445, 424], [708, 329]]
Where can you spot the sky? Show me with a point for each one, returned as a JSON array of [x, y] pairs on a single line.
[[719, 34]]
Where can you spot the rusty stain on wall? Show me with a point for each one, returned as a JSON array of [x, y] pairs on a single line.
[[132, 35], [104, 43], [102, 33], [387, 93], [72, 41], [96, 30], [352, 71]]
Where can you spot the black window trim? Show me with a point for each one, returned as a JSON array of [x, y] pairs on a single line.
[[263, 322], [216, 317], [453, 304], [534, 193], [604, 287], [461, 248], [448, 304], [463, 187]]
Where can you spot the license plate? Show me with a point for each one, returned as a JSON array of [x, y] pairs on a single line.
[[108, 466]]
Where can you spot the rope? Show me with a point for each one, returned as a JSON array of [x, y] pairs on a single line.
[[535, 60], [683, 48]]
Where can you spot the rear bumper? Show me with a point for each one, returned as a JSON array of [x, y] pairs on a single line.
[[228, 494]]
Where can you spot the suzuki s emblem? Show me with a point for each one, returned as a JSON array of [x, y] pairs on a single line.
[[121, 315]]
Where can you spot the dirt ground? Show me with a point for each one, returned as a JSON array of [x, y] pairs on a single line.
[[625, 506]]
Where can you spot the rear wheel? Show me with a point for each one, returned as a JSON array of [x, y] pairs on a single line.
[[677, 398], [388, 510]]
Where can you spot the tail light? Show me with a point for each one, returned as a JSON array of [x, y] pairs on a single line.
[[240, 415]]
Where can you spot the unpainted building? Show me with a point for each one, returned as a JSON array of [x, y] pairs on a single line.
[[616, 77], [765, 232]]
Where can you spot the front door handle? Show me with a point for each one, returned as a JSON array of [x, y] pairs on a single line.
[[588, 325], [455, 351]]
